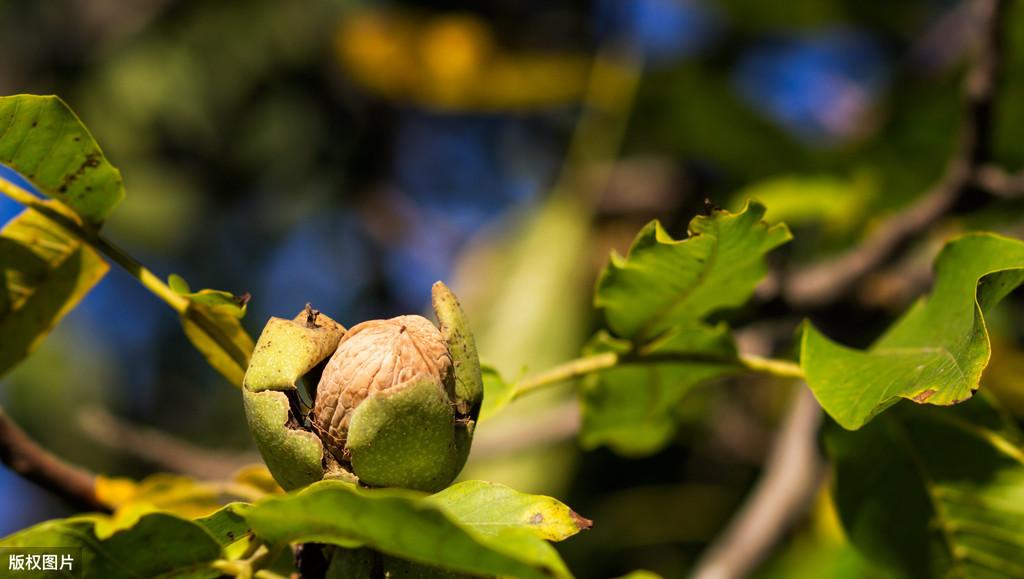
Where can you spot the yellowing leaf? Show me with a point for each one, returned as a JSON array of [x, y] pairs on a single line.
[[46, 271], [489, 508]]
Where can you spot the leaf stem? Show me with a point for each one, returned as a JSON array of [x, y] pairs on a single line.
[[585, 365], [67, 218], [568, 371]]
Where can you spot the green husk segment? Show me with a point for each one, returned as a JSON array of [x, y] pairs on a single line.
[[406, 439], [294, 457], [469, 387], [288, 349]]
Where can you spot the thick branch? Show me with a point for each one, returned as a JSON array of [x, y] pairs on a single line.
[[826, 282], [791, 477], [22, 455]]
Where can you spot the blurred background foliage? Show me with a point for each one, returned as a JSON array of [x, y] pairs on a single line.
[[349, 153]]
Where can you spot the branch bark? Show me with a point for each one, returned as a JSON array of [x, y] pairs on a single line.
[[826, 282], [792, 474], [26, 458], [160, 448]]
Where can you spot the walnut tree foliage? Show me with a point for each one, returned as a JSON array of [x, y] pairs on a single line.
[[928, 473]]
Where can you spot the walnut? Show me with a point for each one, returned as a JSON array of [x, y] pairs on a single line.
[[378, 356]]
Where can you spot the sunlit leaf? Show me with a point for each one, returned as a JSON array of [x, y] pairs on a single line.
[[46, 272], [933, 492], [41, 138], [936, 353], [663, 282], [656, 301], [157, 545], [489, 508], [402, 524]]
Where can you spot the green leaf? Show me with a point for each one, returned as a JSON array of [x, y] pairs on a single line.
[[933, 492], [935, 353], [497, 392], [158, 545], [663, 282], [633, 408], [46, 272], [212, 322], [490, 508], [641, 574], [401, 524], [41, 138], [839, 205], [227, 524]]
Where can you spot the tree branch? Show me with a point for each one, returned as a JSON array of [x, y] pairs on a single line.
[[160, 448], [792, 475], [25, 457], [826, 282]]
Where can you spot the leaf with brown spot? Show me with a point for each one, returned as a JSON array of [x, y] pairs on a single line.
[[936, 353], [488, 507], [41, 138]]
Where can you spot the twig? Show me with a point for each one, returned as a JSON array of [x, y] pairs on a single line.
[[580, 367], [1000, 182], [826, 282], [160, 448], [64, 216], [792, 474], [29, 460]]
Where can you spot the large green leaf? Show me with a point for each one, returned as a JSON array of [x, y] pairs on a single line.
[[402, 524], [158, 545], [490, 508], [935, 353], [41, 138], [933, 492], [663, 282], [633, 408], [656, 301], [46, 272]]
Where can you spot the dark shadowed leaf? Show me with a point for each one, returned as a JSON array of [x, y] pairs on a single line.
[[158, 545], [934, 492]]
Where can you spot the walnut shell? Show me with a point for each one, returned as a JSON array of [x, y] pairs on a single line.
[[374, 357]]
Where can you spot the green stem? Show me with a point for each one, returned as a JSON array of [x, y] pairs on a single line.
[[67, 218], [581, 367]]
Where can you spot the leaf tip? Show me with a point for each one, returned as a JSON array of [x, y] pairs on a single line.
[[582, 523]]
